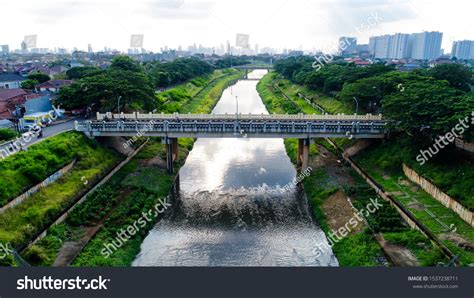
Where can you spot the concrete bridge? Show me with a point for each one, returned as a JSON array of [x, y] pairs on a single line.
[[170, 127], [253, 67]]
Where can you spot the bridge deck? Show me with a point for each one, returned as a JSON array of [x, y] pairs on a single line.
[[232, 126]]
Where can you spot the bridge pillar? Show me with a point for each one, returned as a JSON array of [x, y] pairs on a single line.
[[172, 150], [303, 153]]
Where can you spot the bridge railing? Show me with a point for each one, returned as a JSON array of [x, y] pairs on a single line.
[[205, 126], [153, 116]]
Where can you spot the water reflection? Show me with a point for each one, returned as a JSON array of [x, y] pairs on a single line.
[[232, 209]]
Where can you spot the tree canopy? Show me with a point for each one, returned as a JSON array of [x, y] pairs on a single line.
[[39, 77]]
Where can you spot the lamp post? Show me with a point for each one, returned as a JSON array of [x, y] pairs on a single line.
[[118, 104], [237, 106], [357, 105]]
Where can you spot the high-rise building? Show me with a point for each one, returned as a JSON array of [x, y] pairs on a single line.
[[89, 48], [382, 46], [24, 48], [423, 46], [398, 46], [5, 49], [347, 45], [426, 45], [463, 49]]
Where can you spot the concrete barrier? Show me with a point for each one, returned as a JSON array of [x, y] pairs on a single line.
[[464, 145], [439, 195], [29, 192], [65, 214]]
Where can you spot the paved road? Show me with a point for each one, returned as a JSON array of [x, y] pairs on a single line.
[[47, 132]]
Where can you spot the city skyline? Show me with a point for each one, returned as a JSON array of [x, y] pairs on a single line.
[[299, 25]]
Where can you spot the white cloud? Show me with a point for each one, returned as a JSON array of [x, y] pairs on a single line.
[[276, 23]]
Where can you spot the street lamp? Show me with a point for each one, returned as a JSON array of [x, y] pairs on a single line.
[[118, 104], [237, 106], [357, 105]]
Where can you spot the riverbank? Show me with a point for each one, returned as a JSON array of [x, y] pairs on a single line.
[[21, 223], [136, 188], [334, 189]]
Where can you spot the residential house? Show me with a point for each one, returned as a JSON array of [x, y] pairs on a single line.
[[52, 86], [9, 80], [9, 99]]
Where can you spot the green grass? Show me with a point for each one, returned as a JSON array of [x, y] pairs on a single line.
[[24, 169], [355, 249], [426, 252], [388, 174], [205, 100], [148, 184], [7, 134], [18, 225]]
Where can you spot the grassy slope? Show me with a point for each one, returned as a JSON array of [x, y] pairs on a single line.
[[450, 171], [141, 187], [19, 224], [355, 249], [23, 170]]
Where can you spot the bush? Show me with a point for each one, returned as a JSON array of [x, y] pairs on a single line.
[[7, 134]]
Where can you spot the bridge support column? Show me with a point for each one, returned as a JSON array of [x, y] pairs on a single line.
[[172, 150], [303, 153]]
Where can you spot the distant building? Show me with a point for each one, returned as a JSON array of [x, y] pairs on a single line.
[[422, 46], [382, 46], [295, 53], [426, 45], [463, 49], [440, 61], [9, 99], [347, 45], [5, 49], [398, 47], [10, 80], [52, 85], [363, 51]]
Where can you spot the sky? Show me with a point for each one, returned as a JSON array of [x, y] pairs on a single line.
[[291, 24]]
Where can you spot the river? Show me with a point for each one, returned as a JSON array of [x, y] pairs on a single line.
[[232, 209]]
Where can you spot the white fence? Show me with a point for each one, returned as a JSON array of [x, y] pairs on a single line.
[[151, 116]]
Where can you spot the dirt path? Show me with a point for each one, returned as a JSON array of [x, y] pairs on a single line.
[[70, 249], [337, 208], [338, 212], [400, 256]]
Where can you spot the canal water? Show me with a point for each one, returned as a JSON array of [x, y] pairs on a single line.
[[232, 209]]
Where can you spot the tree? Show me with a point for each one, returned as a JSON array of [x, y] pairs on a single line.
[[39, 77], [427, 107], [81, 72], [126, 63], [104, 88], [29, 84], [458, 76]]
